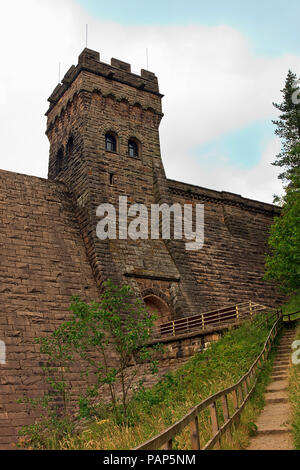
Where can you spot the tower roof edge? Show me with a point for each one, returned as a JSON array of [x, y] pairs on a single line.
[[117, 70]]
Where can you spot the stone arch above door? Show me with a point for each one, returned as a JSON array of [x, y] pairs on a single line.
[[157, 306]]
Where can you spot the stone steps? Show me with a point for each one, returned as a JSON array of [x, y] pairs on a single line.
[[275, 394], [277, 400], [280, 362], [274, 429], [279, 377], [279, 441], [279, 368], [277, 386]]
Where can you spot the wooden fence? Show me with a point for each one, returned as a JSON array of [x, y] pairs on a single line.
[[288, 316], [231, 314], [240, 393]]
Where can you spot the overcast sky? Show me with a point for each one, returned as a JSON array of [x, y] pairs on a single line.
[[220, 66]]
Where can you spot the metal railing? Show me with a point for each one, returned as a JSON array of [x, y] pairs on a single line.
[[231, 314], [241, 392]]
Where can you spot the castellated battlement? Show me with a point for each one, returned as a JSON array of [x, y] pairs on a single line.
[[118, 71]]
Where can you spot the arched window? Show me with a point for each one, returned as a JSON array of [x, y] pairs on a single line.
[[70, 147], [133, 148], [59, 160], [110, 143]]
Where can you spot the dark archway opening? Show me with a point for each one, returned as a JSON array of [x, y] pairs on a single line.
[[156, 306]]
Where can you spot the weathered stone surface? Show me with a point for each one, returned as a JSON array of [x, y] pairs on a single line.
[[30, 310]]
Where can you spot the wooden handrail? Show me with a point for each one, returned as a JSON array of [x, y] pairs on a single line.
[[165, 438], [289, 315], [231, 314]]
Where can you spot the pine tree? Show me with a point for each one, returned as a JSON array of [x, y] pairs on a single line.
[[283, 264], [288, 129]]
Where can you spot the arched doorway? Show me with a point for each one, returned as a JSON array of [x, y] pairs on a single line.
[[156, 306]]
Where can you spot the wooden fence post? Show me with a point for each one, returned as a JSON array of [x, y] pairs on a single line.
[[240, 392], [235, 399], [168, 445], [225, 408], [195, 434], [249, 382], [226, 414], [214, 421], [245, 387]]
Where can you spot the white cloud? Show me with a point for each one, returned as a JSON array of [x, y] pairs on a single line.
[[2, 94], [259, 182], [212, 81]]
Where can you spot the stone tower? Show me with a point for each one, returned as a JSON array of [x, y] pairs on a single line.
[[103, 128]]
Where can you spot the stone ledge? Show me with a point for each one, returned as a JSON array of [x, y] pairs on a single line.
[[145, 274], [222, 197]]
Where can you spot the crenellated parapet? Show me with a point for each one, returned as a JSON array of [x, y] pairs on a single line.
[[117, 71]]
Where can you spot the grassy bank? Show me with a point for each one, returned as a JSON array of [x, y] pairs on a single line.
[[294, 394], [246, 429], [293, 305], [154, 409]]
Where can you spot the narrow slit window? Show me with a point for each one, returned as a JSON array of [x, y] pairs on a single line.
[[70, 147], [59, 161]]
